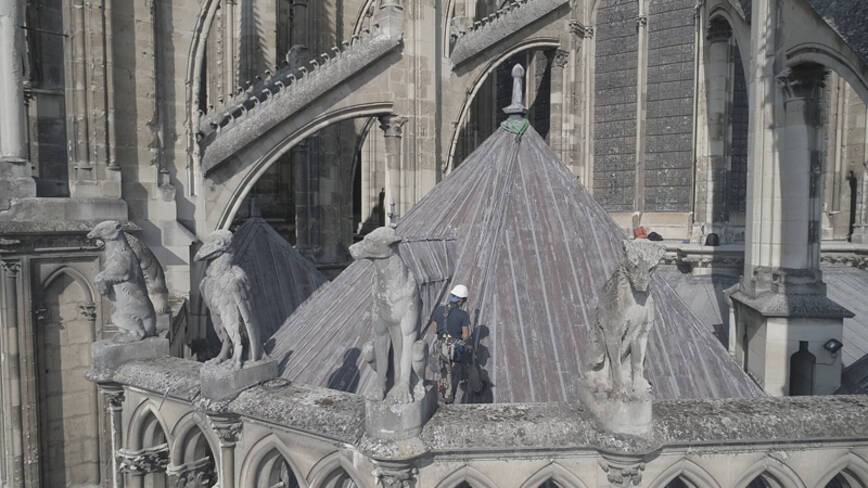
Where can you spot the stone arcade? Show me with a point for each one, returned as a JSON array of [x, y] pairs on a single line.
[[297, 130]]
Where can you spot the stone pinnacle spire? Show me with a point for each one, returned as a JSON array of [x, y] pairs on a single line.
[[517, 108]]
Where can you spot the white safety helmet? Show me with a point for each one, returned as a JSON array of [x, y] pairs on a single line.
[[459, 291]]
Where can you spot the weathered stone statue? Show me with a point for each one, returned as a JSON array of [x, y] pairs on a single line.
[[395, 314], [122, 282], [615, 372], [155, 278], [226, 292]]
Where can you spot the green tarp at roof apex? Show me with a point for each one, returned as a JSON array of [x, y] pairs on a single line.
[[515, 125]]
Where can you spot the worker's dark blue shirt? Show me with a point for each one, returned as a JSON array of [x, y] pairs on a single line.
[[451, 320]]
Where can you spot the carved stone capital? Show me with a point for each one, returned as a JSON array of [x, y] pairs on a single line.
[[11, 267], [148, 460], [804, 81], [392, 125], [197, 473], [622, 471], [641, 21], [395, 478], [562, 57], [114, 396], [581, 30], [227, 427], [87, 312]]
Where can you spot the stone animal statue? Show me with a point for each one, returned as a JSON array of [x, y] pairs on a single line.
[[622, 321], [395, 316], [225, 290], [155, 278], [122, 282]]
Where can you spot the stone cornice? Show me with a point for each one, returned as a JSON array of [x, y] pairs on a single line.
[[500, 25]]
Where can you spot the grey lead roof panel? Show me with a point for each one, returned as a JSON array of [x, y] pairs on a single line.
[[533, 247]]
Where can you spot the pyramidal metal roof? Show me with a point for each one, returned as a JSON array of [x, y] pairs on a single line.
[[281, 277], [534, 248]]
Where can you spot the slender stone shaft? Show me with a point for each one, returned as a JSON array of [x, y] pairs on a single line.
[[12, 136]]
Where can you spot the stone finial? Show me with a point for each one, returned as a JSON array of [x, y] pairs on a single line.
[[225, 290], [121, 281], [615, 387], [517, 106]]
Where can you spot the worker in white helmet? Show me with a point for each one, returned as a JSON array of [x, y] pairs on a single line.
[[453, 334]]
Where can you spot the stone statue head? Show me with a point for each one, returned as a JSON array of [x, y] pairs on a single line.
[[376, 245], [216, 244], [641, 256], [107, 230]]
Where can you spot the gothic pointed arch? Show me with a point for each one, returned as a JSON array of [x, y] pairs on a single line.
[[146, 427], [192, 452], [688, 472], [554, 472], [772, 473], [334, 471], [852, 468], [233, 184], [469, 477], [820, 53], [269, 463], [76, 276]]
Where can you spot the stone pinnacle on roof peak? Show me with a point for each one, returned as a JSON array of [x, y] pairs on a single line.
[[517, 108]]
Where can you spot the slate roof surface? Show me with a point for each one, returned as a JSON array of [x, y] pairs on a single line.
[[533, 247], [281, 277]]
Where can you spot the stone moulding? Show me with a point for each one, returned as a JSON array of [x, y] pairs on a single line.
[[255, 111], [500, 25]]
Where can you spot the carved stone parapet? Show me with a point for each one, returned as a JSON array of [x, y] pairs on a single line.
[[804, 81], [148, 460], [392, 125], [581, 30]]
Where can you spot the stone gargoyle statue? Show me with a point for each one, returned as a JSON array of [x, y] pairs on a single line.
[[395, 317], [622, 321], [225, 290], [121, 281], [152, 270]]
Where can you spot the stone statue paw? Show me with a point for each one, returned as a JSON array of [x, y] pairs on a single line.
[[400, 394]]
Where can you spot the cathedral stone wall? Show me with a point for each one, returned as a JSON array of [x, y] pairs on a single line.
[[615, 95], [669, 110]]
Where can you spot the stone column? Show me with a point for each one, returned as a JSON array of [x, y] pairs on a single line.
[[392, 126], [11, 375], [15, 172], [228, 429], [782, 299], [860, 228], [299, 32], [302, 195], [559, 93], [718, 96], [800, 169], [114, 399]]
